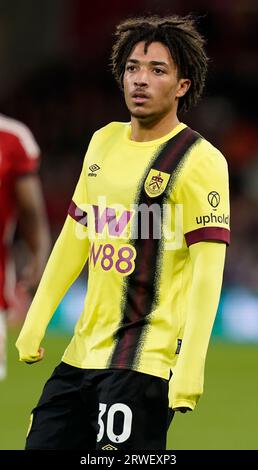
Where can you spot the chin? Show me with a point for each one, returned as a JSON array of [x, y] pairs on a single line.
[[145, 119], [140, 114]]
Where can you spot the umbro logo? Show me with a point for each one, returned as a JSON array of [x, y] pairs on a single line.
[[109, 447], [93, 168]]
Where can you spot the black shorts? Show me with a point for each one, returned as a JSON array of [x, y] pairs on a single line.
[[100, 409]]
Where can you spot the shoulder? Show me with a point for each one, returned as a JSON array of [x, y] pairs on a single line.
[[204, 157], [204, 164], [104, 137], [113, 129], [206, 151], [17, 131]]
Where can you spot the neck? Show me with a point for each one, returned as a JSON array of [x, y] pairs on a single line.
[[144, 131]]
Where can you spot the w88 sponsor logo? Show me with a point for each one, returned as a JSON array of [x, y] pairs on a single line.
[[108, 257]]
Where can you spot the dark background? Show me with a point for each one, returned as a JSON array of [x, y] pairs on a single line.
[[55, 76]]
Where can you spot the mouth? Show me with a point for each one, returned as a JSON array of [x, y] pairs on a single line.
[[139, 97]]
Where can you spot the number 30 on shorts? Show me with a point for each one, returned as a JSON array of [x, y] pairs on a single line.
[[109, 415]]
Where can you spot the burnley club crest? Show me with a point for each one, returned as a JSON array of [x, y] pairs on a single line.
[[156, 182]]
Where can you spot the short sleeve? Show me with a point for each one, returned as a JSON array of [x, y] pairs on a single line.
[[204, 195], [25, 152]]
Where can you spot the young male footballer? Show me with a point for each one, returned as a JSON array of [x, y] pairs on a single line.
[[150, 214]]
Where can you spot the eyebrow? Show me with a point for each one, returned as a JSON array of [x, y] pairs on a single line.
[[152, 62]]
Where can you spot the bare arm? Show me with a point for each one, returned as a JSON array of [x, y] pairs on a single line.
[[34, 226]]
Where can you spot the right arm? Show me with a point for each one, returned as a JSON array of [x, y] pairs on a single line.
[[66, 261]]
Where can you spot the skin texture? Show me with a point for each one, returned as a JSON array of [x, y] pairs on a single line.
[[34, 226], [152, 90]]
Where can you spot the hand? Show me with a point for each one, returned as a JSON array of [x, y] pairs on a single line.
[[182, 409], [39, 358]]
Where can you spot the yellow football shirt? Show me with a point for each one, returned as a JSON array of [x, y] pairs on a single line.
[[143, 206]]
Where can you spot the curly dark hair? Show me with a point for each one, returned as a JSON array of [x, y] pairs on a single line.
[[184, 42]]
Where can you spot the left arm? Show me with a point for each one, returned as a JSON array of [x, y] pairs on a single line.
[[34, 226], [186, 385]]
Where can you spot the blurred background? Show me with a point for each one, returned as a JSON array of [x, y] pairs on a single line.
[[55, 77]]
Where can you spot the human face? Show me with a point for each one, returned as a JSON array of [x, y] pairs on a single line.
[[151, 84]]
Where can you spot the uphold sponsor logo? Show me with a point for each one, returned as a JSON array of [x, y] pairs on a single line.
[[93, 168], [214, 199], [212, 218]]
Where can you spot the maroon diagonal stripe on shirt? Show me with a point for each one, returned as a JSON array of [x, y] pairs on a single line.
[[77, 214], [141, 286]]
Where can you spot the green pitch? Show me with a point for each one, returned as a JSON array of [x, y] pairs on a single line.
[[225, 418]]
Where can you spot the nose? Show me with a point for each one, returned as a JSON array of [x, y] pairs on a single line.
[[141, 78]]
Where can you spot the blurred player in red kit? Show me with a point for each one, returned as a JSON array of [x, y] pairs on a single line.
[[20, 198]]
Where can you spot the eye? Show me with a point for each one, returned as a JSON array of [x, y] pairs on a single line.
[[158, 71], [130, 68]]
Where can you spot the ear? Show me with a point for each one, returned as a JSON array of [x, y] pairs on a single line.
[[183, 86]]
